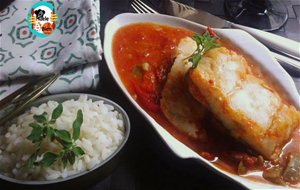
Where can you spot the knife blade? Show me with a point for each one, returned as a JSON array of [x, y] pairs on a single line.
[[283, 45], [196, 15]]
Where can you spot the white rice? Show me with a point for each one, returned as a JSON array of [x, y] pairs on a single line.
[[101, 133]]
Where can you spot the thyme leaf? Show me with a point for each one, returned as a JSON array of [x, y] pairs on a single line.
[[42, 129], [204, 43]]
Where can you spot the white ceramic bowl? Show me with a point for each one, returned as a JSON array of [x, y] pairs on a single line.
[[239, 38]]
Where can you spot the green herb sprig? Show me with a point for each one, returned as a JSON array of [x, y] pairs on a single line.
[[42, 128], [204, 43]]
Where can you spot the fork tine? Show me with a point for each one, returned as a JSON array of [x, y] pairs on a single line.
[[136, 8], [140, 7], [145, 7]]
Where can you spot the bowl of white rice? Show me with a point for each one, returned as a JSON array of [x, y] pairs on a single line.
[[104, 130]]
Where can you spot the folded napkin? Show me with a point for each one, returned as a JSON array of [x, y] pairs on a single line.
[[75, 79], [75, 41]]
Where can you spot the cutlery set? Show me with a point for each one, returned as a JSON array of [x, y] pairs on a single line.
[[289, 50]]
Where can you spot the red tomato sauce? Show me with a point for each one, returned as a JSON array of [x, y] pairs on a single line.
[[143, 55]]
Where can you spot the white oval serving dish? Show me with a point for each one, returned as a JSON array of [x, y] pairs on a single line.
[[244, 41]]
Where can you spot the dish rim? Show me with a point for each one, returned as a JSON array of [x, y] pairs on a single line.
[[165, 135]]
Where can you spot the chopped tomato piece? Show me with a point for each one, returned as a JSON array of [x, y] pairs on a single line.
[[149, 104], [249, 161], [148, 100], [211, 32], [207, 155]]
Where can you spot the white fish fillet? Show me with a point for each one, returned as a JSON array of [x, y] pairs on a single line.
[[247, 106], [177, 104]]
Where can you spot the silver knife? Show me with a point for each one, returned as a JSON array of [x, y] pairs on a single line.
[[281, 44]]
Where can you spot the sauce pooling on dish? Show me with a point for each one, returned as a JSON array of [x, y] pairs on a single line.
[[143, 55]]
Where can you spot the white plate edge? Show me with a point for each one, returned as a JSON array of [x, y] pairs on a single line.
[[176, 146]]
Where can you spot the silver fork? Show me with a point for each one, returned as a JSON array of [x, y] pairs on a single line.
[[142, 8]]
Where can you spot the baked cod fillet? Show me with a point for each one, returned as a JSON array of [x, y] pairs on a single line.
[[176, 103], [247, 106]]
